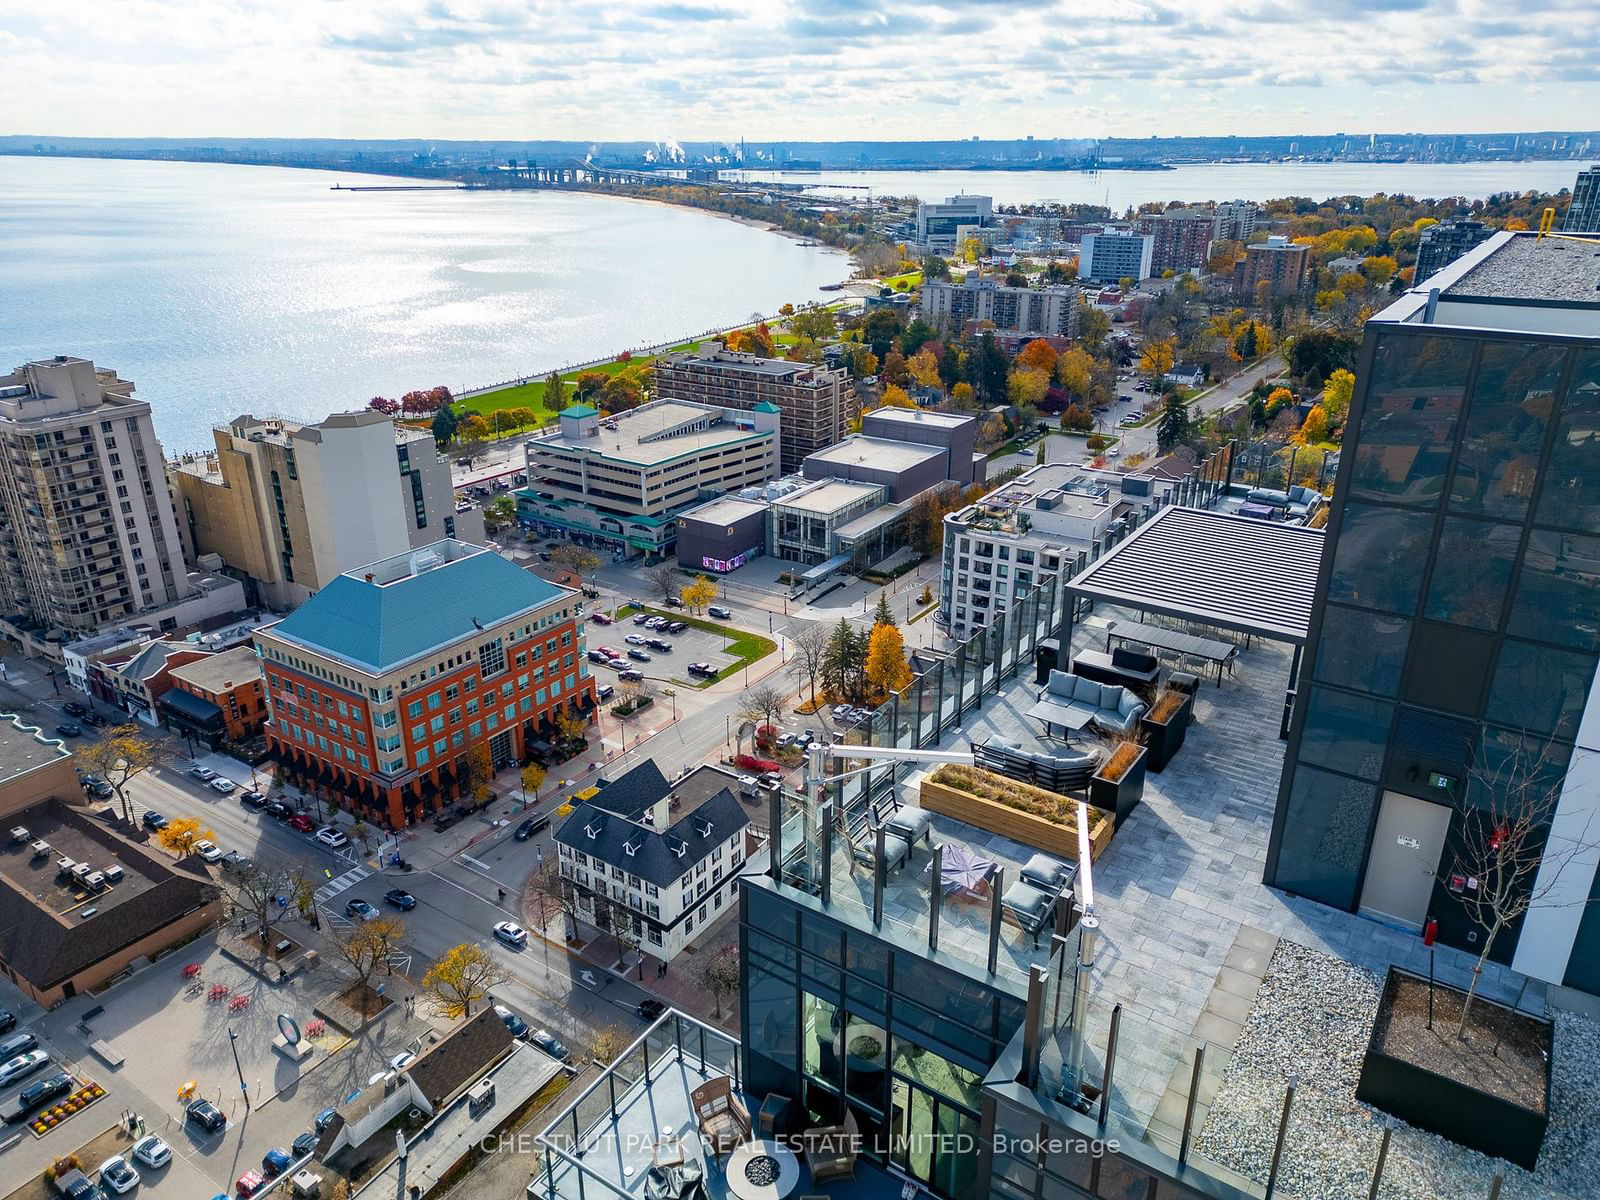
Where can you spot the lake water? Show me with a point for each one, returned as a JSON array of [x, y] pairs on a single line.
[[228, 289], [1211, 181]]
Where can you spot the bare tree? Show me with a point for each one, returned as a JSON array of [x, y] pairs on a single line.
[[720, 974], [624, 923], [607, 1045], [253, 893], [1506, 859], [551, 892], [810, 642], [580, 560], [762, 704], [666, 578]]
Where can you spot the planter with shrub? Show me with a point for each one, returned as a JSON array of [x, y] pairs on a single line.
[[1118, 786], [1015, 810], [1165, 726]]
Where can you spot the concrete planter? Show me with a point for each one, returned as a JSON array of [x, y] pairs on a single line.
[[1120, 796], [1451, 1108], [1057, 838]]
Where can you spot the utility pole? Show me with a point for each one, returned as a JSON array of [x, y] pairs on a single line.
[[233, 1044]]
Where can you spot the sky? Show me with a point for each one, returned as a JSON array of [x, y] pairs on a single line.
[[684, 70]]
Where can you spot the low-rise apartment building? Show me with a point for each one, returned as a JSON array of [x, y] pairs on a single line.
[[816, 404], [383, 683], [289, 506], [620, 482], [1046, 311], [88, 538], [653, 858]]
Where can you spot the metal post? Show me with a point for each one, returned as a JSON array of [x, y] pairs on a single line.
[[775, 836], [935, 897], [1111, 1065], [879, 872], [1188, 1108], [827, 853], [1032, 1026], [1283, 1132], [996, 916], [1383, 1156], [1088, 930], [233, 1040], [1499, 1180]]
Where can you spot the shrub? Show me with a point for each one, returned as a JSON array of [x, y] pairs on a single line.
[[1166, 705], [999, 790], [750, 762]]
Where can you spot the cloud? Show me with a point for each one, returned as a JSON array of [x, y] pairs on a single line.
[[794, 69]]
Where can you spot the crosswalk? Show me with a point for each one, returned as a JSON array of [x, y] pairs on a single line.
[[340, 883]]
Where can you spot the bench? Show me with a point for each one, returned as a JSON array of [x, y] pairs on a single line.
[[106, 1053], [1065, 773]]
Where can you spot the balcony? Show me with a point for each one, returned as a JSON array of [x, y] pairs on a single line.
[[603, 1144]]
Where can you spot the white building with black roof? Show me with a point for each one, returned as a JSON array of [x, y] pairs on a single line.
[[661, 855]]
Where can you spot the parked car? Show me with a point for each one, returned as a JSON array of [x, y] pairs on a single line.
[[702, 668], [236, 862], [511, 933], [676, 627], [303, 1145], [203, 774], [278, 810], [22, 1066], [660, 645], [248, 1184], [605, 691], [152, 1151], [323, 1119], [609, 651], [628, 675], [402, 1060], [92, 719], [644, 619], [332, 838], [118, 1174], [275, 1161], [546, 1042], [514, 1023], [208, 851], [8, 1022], [636, 639], [400, 898], [75, 1185], [206, 1115], [656, 623], [595, 656], [526, 829], [97, 787], [38, 1094], [73, 709], [638, 655], [252, 800], [599, 618], [673, 602], [359, 910], [302, 821], [219, 784], [649, 1010], [68, 730], [153, 821], [720, 613]]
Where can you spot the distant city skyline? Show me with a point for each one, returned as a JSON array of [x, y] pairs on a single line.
[[679, 70]]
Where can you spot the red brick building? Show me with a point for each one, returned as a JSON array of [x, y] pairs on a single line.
[[232, 682]]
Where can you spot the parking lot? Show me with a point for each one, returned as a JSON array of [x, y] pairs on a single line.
[[671, 666]]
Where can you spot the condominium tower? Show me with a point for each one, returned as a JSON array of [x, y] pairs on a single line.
[[1583, 214], [87, 532]]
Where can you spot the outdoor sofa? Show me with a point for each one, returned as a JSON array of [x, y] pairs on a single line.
[[1109, 707]]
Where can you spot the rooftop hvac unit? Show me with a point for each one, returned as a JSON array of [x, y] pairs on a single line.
[[96, 880], [40, 849], [113, 874], [481, 1092]]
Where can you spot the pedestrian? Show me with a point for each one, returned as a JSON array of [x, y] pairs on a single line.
[[501, 894]]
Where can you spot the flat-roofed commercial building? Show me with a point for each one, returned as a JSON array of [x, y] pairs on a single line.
[[383, 684], [722, 535], [619, 483], [816, 404]]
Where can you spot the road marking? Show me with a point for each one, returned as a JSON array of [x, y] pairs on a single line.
[[476, 863], [341, 883]]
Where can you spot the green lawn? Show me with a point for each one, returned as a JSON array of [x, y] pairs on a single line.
[[902, 283], [746, 647]]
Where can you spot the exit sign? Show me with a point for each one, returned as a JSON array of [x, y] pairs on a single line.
[[1442, 782]]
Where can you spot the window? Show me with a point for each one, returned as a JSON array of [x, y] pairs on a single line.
[[1540, 690], [1346, 733], [1409, 420], [1379, 558], [1507, 416], [434, 700], [491, 658], [1570, 495], [1557, 600], [414, 709], [1471, 572]]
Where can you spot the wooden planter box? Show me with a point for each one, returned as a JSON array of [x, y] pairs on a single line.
[[1042, 833], [1164, 738], [1119, 797], [1451, 1108]]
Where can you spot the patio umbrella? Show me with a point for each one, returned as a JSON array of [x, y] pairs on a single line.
[[962, 870]]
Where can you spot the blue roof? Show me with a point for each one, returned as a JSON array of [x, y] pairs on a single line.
[[382, 626]]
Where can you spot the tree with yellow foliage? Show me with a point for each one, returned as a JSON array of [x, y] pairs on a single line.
[[895, 396], [1336, 394], [698, 592], [118, 755], [924, 368], [1027, 386], [532, 781], [1039, 355], [971, 250], [1157, 358], [1075, 370], [181, 835], [962, 394], [464, 975], [1314, 428], [887, 669], [1379, 269]]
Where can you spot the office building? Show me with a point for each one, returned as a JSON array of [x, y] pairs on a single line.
[[1441, 244], [816, 404], [384, 683], [88, 538], [221, 697], [938, 223], [1182, 238], [1044, 312], [1116, 254], [290, 507], [1583, 213], [619, 483], [1234, 220], [659, 856], [1452, 649], [85, 902], [1278, 263]]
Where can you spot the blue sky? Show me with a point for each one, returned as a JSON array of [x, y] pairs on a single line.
[[814, 69]]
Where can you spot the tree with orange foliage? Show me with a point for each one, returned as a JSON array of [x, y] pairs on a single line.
[[1038, 354]]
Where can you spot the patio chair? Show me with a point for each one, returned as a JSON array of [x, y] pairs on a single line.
[[831, 1150], [720, 1114]]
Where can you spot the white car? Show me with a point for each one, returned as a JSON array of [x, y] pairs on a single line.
[[511, 933], [118, 1175], [636, 639], [208, 851], [152, 1151], [219, 784], [402, 1060], [329, 836], [203, 774], [22, 1066]]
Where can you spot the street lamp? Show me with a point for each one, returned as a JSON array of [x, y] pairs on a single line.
[[233, 1044]]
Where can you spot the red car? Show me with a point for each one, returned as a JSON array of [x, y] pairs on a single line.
[[609, 651], [600, 618], [304, 822], [249, 1184]]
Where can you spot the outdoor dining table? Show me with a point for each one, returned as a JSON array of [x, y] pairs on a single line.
[[1173, 641]]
